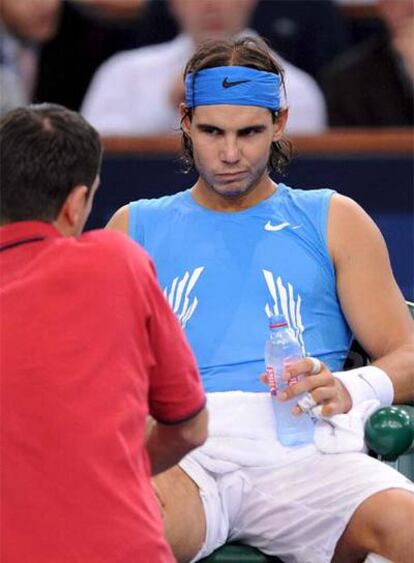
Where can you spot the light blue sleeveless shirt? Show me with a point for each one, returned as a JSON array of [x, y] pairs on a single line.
[[225, 273]]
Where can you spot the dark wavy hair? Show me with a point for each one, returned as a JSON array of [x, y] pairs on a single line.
[[251, 52], [46, 150]]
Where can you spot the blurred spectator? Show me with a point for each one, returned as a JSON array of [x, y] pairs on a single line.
[[91, 32], [138, 92], [308, 38], [118, 9], [373, 84], [24, 26]]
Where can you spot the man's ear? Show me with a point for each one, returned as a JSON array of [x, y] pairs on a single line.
[[280, 124], [72, 211], [75, 204], [185, 123]]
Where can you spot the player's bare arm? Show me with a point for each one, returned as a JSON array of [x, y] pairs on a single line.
[[370, 298]]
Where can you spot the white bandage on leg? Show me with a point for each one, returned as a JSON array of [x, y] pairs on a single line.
[[368, 382]]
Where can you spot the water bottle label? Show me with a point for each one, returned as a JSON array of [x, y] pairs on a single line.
[[272, 380]]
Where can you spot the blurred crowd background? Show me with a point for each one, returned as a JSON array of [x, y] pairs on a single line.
[[349, 63]]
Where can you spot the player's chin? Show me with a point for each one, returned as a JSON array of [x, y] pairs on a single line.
[[231, 192], [232, 189]]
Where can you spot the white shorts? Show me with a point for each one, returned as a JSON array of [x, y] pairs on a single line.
[[297, 512]]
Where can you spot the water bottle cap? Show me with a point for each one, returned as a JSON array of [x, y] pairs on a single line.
[[277, 321]]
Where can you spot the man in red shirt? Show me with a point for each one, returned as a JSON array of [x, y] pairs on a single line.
[[89, 349]]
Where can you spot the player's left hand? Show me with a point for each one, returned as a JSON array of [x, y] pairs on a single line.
[[327, 395]]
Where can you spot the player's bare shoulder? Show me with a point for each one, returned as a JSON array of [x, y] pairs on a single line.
[[350, 227], [344, 208], [119, 220]]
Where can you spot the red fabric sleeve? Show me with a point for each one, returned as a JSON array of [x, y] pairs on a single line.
[[176, 392]]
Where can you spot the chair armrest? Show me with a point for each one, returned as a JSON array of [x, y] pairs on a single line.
[[389, 431]]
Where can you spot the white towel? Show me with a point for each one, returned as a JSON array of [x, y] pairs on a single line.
[[344, 432], [242, 432]]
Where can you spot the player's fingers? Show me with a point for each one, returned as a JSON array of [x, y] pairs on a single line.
[[264, 378], [308, 384], [304, 367]]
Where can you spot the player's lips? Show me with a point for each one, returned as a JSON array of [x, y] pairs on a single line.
[[231, 176]]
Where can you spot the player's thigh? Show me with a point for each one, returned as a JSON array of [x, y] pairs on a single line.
[[183, 512]]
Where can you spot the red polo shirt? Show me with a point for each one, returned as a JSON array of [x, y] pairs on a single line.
[[89, 347]]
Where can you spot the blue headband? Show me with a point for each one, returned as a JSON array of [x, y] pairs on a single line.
[[234, 85]]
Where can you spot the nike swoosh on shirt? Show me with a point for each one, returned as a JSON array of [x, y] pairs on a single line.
[[279, 227], [227, 84]]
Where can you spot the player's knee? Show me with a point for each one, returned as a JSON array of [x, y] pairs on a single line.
[[391, 509], [384, 520]]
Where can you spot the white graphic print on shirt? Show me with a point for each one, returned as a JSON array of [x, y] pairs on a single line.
[[284, 300], [178, 295]]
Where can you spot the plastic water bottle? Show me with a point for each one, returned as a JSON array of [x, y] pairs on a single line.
[[282, 346]]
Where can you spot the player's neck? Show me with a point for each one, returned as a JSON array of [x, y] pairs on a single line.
[[207, 197]]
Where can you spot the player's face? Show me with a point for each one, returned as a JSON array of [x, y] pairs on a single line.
[[231, 147]]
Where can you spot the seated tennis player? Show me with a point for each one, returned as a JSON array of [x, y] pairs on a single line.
[[230, 251]]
